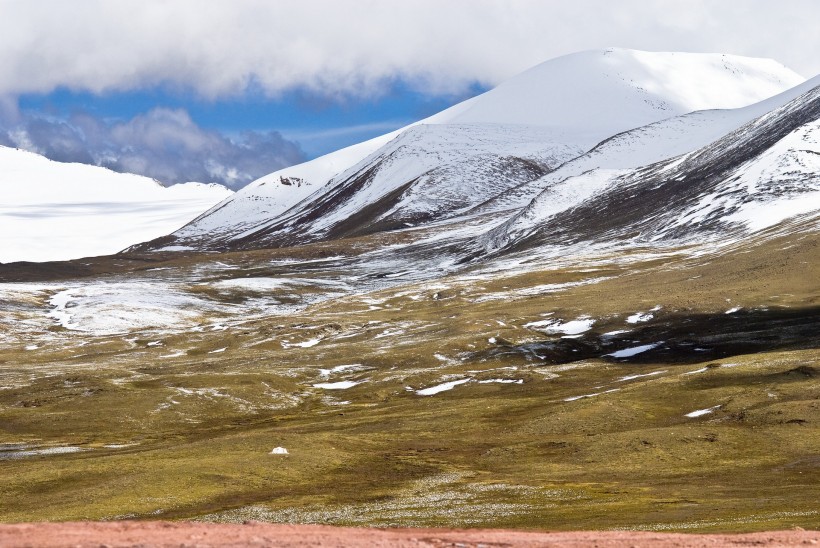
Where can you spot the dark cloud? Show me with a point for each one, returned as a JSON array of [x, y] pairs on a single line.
[[57, 141], [164, 144]]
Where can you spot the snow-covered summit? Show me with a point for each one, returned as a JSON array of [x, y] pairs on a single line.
[[597, 93], [569, 103], [603, 92], [755, 175]]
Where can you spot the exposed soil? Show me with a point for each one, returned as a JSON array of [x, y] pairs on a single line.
[[185, 534]]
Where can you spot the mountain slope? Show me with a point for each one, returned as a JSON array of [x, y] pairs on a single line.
[[450, 162], [57, 211], [595, 94], [649, 144], [754, 177], [427, 172]]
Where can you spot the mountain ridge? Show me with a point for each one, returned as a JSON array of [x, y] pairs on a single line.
[[269, 201], [653, 188]]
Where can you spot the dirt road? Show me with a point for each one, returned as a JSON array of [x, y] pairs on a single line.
[[189, 534]]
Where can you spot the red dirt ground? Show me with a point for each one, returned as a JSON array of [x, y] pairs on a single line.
[[190, 534]]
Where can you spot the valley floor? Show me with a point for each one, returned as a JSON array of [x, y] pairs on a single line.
[[663, 389]]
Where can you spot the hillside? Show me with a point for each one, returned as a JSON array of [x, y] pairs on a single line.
[[754, 177], [524, 128], [58, 211]]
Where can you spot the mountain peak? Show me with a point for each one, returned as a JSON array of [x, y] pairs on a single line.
[[597, 93], [535, 121]]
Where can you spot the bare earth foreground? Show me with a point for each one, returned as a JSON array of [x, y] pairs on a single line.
[[135, 533]]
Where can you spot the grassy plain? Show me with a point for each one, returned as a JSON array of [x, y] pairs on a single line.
[[166, 424]]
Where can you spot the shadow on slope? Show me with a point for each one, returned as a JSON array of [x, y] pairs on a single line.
[[679, 338]]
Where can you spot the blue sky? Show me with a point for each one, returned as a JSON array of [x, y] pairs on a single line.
[[226, 92]]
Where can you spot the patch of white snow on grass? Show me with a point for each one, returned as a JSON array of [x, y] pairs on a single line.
[[441, 387], [609, 334], [174, 248], [10, 455], [573, 327], [118, 307], [340, 368], [701, 412], [502, 381], [257, 284], [306, 344], [639, 317], [632, 377], [629, 352], [389, 333], [341, 385], [575, 398]]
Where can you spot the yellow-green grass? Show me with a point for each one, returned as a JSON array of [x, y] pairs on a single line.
[[196, 429]]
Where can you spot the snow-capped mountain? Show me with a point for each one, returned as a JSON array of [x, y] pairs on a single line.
[[496, 144], [649, 144], [751, 178], [421, 175], [57, 211]]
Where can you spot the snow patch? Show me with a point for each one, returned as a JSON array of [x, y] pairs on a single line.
[[573, 327], [640, 317], [633, 351], [701, 412], [111, 308], [47, 451], [633, 377], [341, 385], [441, 387], [502, 381], [575, 398], [305, 344], [340, 368]]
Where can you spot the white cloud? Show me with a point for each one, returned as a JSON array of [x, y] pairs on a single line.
[[219, 48], [162, 143]]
